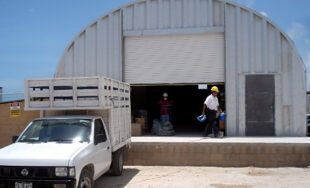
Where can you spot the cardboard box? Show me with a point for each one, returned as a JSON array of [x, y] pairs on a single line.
[[142, 122], [222, 125], [136, 129]]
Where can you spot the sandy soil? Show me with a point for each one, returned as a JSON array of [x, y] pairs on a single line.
[[213, 177]]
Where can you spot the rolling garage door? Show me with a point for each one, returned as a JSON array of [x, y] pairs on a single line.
[[197, 58]]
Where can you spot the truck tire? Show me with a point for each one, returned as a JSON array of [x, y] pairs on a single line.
[[86, 180], [117, 163]]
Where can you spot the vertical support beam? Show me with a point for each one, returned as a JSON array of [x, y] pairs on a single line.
[[223, 15], [111, 46], [185, 14], [238, 78], [210, 13], [241, 122], [26, 94], [134, 19], [42, 113], [278, 106], [277, 51], [95, 71], [101, 92], [238, 41], [230, 69], [148, 16], [264, 62], [106, 44], [124, 19], [74, 90], [286, 89], [251, 43], [121, 62], [292, 97], [197, 13], [172, 14], [51, 92], [99, 49], [160, 14]]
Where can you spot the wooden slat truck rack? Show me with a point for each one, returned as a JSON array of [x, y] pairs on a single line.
[[97, 96], [76, 93]]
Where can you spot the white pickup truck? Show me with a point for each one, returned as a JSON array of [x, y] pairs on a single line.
[[65, 151], [89, 136]]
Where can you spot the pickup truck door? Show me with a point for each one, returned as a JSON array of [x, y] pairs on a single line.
[[103, 149]]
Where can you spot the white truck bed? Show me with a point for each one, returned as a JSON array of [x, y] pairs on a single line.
[[98, 96]]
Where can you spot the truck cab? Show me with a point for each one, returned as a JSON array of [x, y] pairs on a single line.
[[59, 152]]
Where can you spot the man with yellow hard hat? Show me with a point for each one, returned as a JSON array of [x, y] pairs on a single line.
[[212, 105]]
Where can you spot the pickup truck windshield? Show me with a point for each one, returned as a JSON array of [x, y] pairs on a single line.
[[58, 130]]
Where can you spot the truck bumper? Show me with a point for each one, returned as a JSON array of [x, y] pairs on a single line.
[[36, 183]]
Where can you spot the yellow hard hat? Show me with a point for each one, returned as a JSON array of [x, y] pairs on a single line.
[[216, 89]]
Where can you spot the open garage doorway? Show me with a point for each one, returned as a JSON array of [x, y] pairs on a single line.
[[187, 102]]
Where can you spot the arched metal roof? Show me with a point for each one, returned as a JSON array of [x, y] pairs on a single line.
[[142, 15]]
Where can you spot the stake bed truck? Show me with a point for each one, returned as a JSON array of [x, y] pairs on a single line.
[[83, 133]]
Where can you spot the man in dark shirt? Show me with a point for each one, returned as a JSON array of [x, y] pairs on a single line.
[[165, 107]]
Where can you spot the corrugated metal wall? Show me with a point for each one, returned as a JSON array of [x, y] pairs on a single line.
[[254, 45], [169, 14], [308, 103], [96, 51]]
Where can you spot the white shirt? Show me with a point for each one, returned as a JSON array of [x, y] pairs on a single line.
[[212, 102]]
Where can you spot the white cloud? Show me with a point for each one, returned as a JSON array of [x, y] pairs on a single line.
[[264, 13], [296, 31]]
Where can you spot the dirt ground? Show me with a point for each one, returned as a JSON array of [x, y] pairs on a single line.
[[213, 177]]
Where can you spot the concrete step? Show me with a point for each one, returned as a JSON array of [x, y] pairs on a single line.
[[222, 153]]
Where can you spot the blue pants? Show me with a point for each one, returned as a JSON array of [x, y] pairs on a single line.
[[164, 118]]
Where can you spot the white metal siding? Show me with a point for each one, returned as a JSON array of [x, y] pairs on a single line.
[[172, 14], [174, 59], [254, 45], [96, 51]]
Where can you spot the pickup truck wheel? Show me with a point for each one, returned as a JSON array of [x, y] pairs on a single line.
[[86, 180], [117, 163]]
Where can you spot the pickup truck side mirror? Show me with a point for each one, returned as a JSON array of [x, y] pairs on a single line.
[[100, 138], [14, 138]]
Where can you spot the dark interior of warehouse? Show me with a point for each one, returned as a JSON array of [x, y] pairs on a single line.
[[187, 102]]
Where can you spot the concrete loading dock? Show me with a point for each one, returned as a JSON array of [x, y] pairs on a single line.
[[227, 152]]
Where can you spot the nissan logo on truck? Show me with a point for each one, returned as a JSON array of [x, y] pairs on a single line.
[[24, 172]]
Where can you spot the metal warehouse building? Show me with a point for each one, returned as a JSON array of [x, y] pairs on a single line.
[[174, 45]]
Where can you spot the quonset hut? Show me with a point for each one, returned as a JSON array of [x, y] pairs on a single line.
[[174, 45]]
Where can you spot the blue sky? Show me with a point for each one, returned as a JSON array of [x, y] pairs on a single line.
[[34, 33]]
